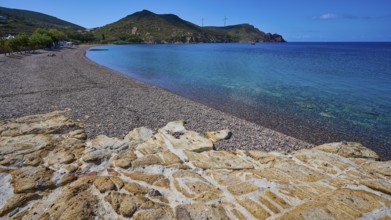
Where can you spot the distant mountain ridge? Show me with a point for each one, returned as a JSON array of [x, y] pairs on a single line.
[[143, 26], [14, 21], [148, 27]]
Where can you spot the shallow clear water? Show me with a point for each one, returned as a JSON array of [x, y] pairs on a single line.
[[319, 92]]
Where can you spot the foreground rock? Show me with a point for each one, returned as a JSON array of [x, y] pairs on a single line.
[[49, 170]]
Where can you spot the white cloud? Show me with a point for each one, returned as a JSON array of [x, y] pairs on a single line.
[[328, 16]]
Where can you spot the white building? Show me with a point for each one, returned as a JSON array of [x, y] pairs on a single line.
[[10, 37], [65, 44]]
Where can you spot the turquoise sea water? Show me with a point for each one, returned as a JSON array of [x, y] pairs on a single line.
[[318, 92]]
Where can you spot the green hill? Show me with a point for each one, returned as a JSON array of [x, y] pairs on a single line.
[[148, 27], [244, 33], [14, 21], [143, 26]]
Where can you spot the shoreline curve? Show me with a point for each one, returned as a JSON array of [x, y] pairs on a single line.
[[112, 103]]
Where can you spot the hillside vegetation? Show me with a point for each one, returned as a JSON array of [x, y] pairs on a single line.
[[140, 27], [15, 21], [148, 27]]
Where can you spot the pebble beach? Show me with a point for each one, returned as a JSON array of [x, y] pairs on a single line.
[[111, 103]]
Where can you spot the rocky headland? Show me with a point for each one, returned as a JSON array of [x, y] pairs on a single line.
[[50, 169]]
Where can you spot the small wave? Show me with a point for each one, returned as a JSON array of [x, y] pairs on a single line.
[[98, 49]]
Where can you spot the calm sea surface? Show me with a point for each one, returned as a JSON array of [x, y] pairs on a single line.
[[318, 92]]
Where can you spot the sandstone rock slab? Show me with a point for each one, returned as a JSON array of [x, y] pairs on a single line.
[[49, 169], [218, 160], [53, 122], [349, 150], [383, 167], [31, 179], [182, 139], [200, 211]]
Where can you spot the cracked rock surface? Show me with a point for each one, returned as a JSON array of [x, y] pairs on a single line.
[[49, 169]]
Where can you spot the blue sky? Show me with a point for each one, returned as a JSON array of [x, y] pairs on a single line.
[[296, 20]]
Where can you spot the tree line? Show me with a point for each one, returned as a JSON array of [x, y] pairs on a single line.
[[40, 39]]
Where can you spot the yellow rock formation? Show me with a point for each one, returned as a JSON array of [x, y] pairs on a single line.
[[50, 170]]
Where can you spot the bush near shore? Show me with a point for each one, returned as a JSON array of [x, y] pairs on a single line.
[[40, 39]]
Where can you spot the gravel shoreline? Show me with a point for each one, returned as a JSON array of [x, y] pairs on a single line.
[[115, 103]]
